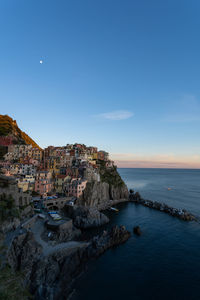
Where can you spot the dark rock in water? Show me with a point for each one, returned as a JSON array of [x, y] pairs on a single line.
[[86, 217], [137, 230], [115, 236], [137, 196]]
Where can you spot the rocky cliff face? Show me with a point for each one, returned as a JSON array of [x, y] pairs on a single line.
[[86, 217], [50, 277], [110, 190], [24, 253], [13, 217]]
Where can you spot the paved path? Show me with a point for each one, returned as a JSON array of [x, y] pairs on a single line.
[[48, 249], [37, 230]]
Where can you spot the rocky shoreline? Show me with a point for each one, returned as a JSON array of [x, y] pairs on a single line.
[[175, 212], [50, 273], [51, 256], [51, 276]]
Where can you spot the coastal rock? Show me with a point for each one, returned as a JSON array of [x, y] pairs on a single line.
[[51, 276], [10, 225], [27, 212], [115, 236], [86, 217], [61, 231], [137, 230], [118, 192], [102, 195], [23, 253], [94, 194]]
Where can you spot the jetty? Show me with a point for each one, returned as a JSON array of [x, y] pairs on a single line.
[[175, 212]]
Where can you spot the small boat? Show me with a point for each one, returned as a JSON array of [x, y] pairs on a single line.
[[169, 189], [114, 209]]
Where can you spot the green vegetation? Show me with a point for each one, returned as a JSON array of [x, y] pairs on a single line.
[[6, 126], [110, 174], [9, 127], [11, 285], [7, 208]]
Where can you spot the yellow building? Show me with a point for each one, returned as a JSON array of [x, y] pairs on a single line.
[[59, 182], [95, 155]]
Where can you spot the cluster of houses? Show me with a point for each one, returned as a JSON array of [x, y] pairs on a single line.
[[61, 171]]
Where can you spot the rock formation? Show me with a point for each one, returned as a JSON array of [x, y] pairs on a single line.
[[23, 253], [10, 224], [86, 217], [50, 277], [61, 232], [137, 230], [108, 191], [103, 195]]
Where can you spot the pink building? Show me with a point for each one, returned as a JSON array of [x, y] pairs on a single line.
[[43, 186], [5, 163], [75, 188], [43, 183]]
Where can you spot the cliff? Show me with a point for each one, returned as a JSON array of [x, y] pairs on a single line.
[[51, 276], [11, 134], [108, 191], [85, 217]]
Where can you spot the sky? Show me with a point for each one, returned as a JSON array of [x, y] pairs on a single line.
[[123, 75]]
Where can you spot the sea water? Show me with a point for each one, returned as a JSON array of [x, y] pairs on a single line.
[[164, 262]]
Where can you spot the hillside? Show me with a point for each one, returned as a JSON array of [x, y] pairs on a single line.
[[10, 133]]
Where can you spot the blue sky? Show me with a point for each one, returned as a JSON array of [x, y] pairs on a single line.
[[122, 75]]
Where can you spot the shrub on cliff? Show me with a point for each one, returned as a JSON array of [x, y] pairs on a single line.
[[11, 285], [110, 175], [7, 208]]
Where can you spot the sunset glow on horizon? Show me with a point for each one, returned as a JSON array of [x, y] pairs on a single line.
[[156, 161]]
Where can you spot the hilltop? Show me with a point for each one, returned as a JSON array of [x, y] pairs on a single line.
[[10, 133]]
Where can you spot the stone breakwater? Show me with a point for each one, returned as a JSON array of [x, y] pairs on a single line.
[[175, 212]]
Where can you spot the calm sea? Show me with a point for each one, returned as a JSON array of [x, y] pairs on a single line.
[[164, 263]]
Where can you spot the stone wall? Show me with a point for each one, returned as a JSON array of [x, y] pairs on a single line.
[[9, 187], [59, 203]]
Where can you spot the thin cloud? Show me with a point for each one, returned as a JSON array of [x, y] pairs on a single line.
[[117, 115]]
